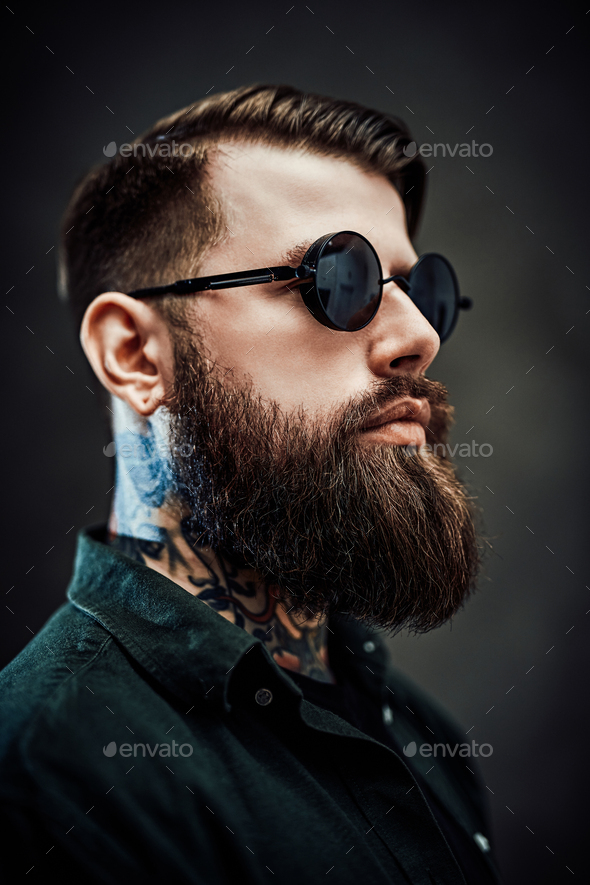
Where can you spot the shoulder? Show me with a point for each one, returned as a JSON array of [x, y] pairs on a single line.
[[41, 685], [68, 642]]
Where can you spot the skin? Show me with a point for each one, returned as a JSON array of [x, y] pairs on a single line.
[[276, 202]]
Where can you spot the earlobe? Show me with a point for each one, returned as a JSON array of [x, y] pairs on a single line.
[[128, 346]]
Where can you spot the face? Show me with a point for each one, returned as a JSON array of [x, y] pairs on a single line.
[[277, 203], [273, 461]]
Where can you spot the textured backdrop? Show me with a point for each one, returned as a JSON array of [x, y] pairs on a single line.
[[514, 666]]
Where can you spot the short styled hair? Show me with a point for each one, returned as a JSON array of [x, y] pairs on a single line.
[[148, 217]]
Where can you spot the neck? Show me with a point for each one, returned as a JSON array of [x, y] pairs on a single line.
[[146, 523]]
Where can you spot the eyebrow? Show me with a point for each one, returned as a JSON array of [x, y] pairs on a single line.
[[294, 256]]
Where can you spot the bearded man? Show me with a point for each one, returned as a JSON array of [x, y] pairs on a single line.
[[215, 703]]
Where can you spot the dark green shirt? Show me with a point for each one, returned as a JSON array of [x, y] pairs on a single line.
[[146, 739]]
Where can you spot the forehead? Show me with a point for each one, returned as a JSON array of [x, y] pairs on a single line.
[[274, 199]]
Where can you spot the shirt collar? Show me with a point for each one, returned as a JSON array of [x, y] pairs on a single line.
[[188, 647]]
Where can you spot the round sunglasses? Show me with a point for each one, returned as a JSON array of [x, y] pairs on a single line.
[[341, 283]]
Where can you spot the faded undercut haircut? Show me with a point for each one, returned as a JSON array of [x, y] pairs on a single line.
[[149, 218]]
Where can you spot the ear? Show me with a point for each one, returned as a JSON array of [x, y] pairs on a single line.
[[130, 350]]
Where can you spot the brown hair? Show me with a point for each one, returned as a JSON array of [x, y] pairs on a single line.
[[148, 218]]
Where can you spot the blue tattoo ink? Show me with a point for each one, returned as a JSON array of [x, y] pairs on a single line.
[[144, 479]]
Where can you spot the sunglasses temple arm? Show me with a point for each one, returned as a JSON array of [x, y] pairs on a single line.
[[252, 277], [223, 281]]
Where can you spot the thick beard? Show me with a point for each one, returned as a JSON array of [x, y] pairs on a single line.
[[377, 532]]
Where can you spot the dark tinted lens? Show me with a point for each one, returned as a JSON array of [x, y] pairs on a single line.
[[434, 291], [347, 281]]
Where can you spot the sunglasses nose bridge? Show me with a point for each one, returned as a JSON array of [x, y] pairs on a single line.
[[400, 281]]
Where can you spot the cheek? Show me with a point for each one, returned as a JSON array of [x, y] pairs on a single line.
[[288, 355]]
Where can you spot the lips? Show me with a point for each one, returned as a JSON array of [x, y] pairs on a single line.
[[409, 409]]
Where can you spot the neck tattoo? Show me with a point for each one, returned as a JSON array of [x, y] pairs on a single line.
[[147, 524]]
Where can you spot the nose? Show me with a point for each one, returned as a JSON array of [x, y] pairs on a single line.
[[400, 338]]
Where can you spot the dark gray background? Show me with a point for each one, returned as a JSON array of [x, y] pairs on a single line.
[[449, 67]]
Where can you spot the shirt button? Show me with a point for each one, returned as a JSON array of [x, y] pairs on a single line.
[[263, 696], [387, 714], [369, 646]]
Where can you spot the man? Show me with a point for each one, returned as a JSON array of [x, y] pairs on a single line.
[[214, 704]]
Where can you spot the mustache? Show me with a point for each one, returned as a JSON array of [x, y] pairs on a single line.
[[346, 422]]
